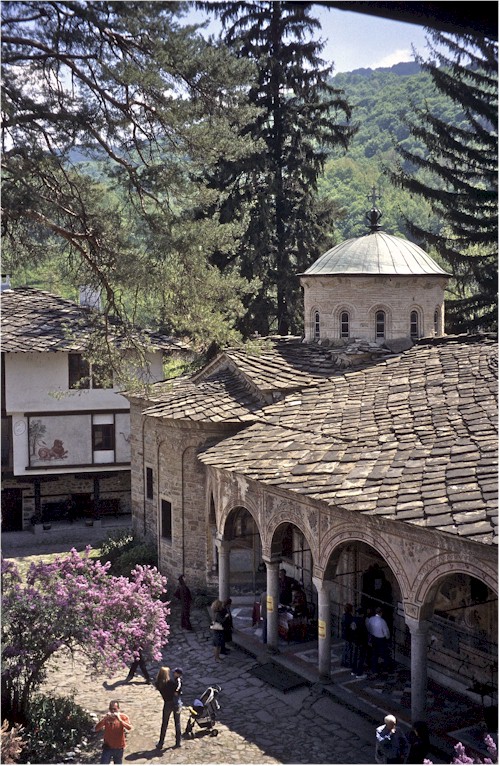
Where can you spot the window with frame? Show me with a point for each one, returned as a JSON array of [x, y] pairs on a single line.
[[79, 371], [83, 375], [380, 325], [414, 325], [344, 324], [316, 326], [103, 436], [149, 483], [166, 519]]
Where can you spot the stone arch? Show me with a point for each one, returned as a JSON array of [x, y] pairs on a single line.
[[234, 505], [271, 542], [388, 319], [243, 542], [436, 569], [417, 308], [337, 314], [460, 602], [295, 549], [331, 548]]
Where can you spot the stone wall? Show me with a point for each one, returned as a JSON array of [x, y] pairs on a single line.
[[169, 449], [363, 296], [60, 488]]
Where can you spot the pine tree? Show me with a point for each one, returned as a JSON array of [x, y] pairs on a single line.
[[274, 190], [108, 109], [458, 175]]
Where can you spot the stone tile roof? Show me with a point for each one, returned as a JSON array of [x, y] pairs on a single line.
[[239, 382], [273, 366], [221, 397], [34, 320], [413, 438]]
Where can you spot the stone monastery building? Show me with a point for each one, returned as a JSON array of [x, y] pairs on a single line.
[[361, 459]]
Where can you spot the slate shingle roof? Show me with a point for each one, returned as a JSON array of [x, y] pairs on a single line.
[[413, 439], [221, 397], [34, 320], [281, 364]]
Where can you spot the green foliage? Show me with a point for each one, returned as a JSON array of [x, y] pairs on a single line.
[[458, 175], [380, 101], [124, 552], [104, 188], [272, 192], [55, 727], [116, 544]]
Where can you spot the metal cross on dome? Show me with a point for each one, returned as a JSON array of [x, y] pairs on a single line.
[[374, 215]]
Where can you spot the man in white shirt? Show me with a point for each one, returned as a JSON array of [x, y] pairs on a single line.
[[380, 636]]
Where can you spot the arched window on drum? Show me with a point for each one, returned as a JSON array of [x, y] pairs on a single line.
[[344, 324], [380, 325], [316, 326], [414, 333], [436, 322]]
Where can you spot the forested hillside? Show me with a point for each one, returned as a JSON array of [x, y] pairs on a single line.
[[380, 99]]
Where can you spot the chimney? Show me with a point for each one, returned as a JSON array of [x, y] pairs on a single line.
[[5, 284], [90, 297]]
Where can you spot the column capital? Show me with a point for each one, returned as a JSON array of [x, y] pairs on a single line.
[[417, 626], [271, 561], [221, 543], [322, 585]]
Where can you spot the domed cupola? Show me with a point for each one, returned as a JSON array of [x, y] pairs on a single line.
[[376, 287]]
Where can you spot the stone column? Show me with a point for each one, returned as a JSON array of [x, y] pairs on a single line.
[[419, 631], [224, 550], [324, 627], [272, 590]]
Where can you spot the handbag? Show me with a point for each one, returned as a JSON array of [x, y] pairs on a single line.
[[216, 626]]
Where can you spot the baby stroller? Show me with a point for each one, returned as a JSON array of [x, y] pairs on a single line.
[[203, 712]]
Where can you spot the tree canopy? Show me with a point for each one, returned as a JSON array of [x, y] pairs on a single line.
[[273, 191], [458, 175], [126, 86]]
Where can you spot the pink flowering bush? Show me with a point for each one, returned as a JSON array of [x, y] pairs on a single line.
[[462, 757], [73, 603]]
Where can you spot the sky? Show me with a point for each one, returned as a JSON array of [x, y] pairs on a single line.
[[358, 40]]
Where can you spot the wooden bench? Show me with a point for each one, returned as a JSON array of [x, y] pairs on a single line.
[[107, 506]]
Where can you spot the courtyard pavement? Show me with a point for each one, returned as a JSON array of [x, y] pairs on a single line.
[[317, 723]]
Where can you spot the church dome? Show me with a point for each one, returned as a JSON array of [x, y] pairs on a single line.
[[376, 253]]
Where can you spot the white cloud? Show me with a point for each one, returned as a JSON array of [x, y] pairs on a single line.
[[402, 54]]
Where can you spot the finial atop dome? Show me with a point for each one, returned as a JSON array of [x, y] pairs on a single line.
[[374, 215]]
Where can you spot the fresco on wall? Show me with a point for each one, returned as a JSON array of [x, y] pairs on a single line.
[[123, 437], [60, 440]]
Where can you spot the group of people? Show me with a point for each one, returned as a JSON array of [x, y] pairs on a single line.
[[366, 641], [116, 724], [392, 746]]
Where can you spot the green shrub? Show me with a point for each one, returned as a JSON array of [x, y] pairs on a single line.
[[124, 551], [116, 544], [143, 553], [56, 726]]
